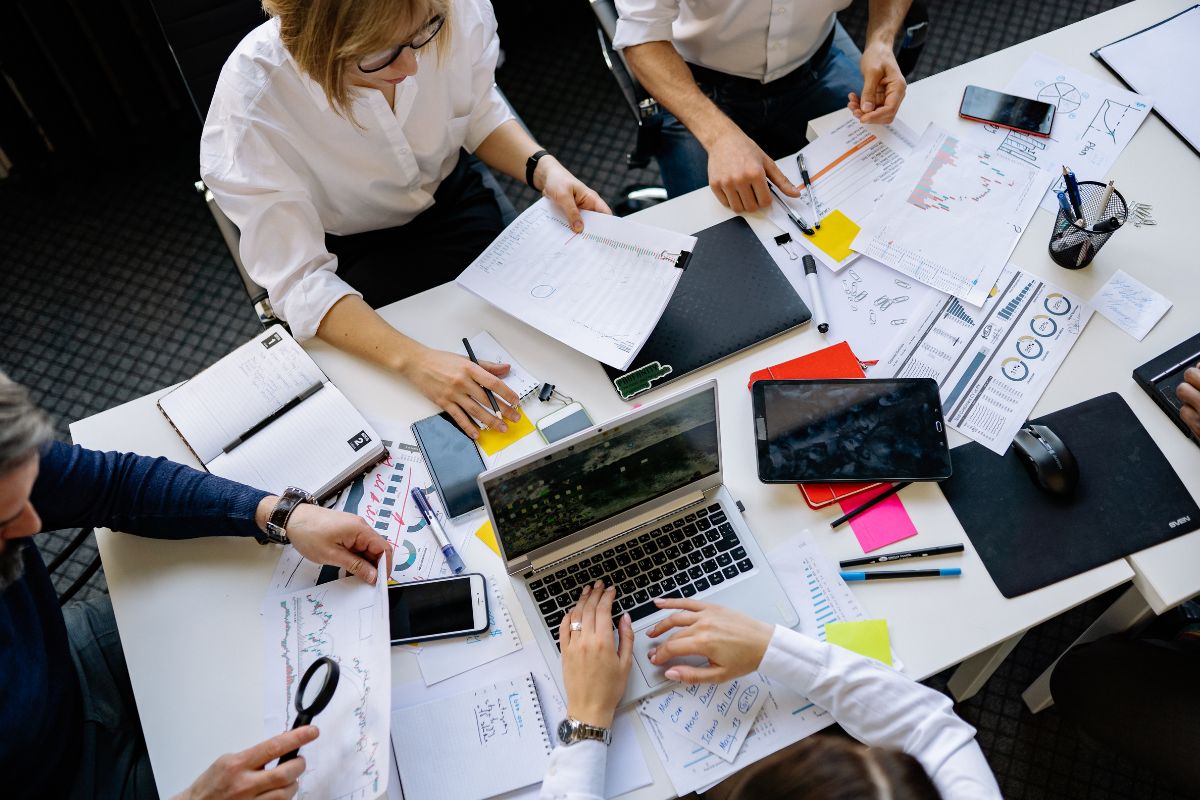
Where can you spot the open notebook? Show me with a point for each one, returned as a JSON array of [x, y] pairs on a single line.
[[265, 415]]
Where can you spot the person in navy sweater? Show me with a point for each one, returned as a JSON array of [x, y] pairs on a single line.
[[68, 723]]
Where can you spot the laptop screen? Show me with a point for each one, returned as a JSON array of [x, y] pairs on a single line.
[[606, 474]]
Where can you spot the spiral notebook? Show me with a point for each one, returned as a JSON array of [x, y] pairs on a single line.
[[487, 742], [517, 378]]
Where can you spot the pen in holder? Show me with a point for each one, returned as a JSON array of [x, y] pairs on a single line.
[[1072, 245]]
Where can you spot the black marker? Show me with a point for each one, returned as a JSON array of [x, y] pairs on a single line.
[[886, 557]]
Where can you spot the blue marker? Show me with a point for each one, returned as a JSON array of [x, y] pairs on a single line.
[[456, 564], [885, 574]]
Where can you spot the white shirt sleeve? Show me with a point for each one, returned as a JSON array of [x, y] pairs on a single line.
[[490, 110], [576, 772], [881, 707], [282, 239], [641, 21]]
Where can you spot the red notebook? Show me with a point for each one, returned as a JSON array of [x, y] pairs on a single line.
[[835, 361]]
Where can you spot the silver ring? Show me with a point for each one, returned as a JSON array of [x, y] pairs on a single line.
[[576, 626]]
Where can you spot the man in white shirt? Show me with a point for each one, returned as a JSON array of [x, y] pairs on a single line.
[[740, 80]]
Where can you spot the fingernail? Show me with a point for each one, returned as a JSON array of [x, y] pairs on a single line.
[[611, 589], [867, 105], [627, 618], [371, 576], [503, 428], [650, 653], [577, 227], [658, 601], [672, 674], [586, 589]]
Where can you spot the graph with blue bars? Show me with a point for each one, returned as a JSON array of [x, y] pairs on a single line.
[[1011, 306], [957, 311]]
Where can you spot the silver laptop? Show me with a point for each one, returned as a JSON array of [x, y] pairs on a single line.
[[637, 502]]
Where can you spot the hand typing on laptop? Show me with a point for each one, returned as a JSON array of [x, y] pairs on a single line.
[[594, 670]]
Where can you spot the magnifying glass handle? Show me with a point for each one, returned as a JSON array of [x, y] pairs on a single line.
[[301, 721]]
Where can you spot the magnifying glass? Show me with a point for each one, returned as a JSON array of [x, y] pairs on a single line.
[[315, 692]]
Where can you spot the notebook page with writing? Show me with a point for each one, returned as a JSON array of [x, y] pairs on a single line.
[[473, 745], [312, 447], [239, 391]]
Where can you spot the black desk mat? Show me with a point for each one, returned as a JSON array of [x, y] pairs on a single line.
[[1128, 498]]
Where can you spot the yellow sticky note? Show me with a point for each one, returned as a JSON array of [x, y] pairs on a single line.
[[834, 236], [487, 535], [493, 442], [868, 637]]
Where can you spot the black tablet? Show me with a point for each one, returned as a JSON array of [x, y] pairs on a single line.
[[854, 431]]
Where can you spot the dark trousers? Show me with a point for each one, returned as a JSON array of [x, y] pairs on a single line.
[[1138, 698], [387, 265]]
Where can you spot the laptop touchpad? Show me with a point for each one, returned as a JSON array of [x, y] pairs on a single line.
[[655, 674]]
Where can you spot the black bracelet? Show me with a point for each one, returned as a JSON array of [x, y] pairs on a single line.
[[531, 165]]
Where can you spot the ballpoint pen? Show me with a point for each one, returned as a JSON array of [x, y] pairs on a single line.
[[1073, 192], [879, 498], [808, 185], [1108, 193], [797, 221], [439, 533], [471, 355], [279, 412]]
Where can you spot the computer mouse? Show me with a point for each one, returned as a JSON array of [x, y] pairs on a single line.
[[1051, 465]]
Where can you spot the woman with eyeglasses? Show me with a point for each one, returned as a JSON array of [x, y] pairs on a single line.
[[337, 141]]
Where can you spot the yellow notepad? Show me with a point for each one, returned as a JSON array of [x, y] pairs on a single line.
[[493, 442], [487, 535], [834, 236], [868, 637]]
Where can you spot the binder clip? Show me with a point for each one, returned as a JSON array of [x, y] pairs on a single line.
[[783, 240], [548, 391]]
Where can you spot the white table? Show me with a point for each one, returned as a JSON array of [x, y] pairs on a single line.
[[184, 607]]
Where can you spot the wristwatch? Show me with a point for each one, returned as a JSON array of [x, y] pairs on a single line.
[[571, 731], [531, 165], [277, 522]]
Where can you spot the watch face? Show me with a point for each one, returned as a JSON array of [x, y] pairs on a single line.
[[566, 732]]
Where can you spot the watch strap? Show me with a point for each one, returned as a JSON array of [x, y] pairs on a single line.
[[277, 522], [571, 731], [531, 165]]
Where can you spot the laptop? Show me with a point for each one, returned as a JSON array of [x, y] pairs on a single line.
[[639, 503]]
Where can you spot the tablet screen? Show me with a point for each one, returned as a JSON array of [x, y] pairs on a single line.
[[850, 430]]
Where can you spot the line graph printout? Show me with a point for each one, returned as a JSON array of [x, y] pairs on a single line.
[[1093, 121], [347, 621], [601, 291], [953, 216], [992, 363]]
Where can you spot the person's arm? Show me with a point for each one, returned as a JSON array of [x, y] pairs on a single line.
[[1188, 393], [160, 499], [738, 169], [883, 83], [875, 704]]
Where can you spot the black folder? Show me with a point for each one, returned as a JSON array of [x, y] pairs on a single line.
[[731, 297], [1128, 498]]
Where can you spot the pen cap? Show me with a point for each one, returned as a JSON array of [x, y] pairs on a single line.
[[1073, 246], [810, 265]]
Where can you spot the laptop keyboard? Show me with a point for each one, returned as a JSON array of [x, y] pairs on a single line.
[[680, 558]]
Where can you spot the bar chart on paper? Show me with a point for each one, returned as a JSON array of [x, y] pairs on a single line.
[[953, 216]]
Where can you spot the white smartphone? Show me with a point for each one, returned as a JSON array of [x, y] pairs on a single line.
[[560, 424], [438, 608]]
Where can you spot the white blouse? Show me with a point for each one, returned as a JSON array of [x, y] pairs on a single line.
[[286, 168], [875, 704], [758, 39]]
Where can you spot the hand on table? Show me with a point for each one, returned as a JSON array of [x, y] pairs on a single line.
[[567, 192], [594, 670], [738, 171], [1188, 393], [456, 385], [337, 538], [883, 86], [244, 775], [733, 643]]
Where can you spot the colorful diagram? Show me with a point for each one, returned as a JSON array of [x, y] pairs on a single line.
[[405, 556], [1029, 347], [1057, 304], [1014, 369], [1043, 325]]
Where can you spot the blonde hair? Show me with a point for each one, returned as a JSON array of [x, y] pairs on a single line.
[[329, 37]]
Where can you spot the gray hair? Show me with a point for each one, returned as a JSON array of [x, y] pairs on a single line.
[[23, 426]]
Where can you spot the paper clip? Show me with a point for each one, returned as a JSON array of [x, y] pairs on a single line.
[[1142, 214]]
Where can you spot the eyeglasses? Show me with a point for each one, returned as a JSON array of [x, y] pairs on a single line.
[[383, 60]]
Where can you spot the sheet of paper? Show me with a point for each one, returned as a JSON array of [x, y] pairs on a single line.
[[446, 658], [517, 378], [346, 620], [1130, 304], [850, 167], [601, 291], [1093, 121], [493, 441], [882, 524], [1164, 61], [868, 637], [953, 215], [716, 716], [992, 363]]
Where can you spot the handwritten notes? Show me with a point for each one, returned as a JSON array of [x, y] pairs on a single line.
[[716, 716], [1130, 304], [868, 637]]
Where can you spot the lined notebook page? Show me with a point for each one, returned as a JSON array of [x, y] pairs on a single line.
[[243, 388], [472, 745], [517, 378]]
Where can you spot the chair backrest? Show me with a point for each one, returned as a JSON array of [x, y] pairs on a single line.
[[201, 35]]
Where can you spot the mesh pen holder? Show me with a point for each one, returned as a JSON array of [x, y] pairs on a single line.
[[1074, 246]]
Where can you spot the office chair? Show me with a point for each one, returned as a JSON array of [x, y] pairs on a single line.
[[84, 576], [647, 113]]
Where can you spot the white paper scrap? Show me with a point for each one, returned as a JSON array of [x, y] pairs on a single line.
[[716, 716], [1130, 304]]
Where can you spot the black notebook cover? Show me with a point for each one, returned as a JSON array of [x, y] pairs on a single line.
[[1128, 498], [731, 296]]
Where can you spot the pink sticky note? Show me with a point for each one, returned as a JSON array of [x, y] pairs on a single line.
[[881, 524]]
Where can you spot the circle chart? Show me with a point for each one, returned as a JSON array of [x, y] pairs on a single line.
[[1057, 304], [401, 563], [1014, 369], [1065, 98], [1029, 347], [1043, 326]]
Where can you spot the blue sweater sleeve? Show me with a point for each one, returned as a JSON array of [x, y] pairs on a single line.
[[153, 497]]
